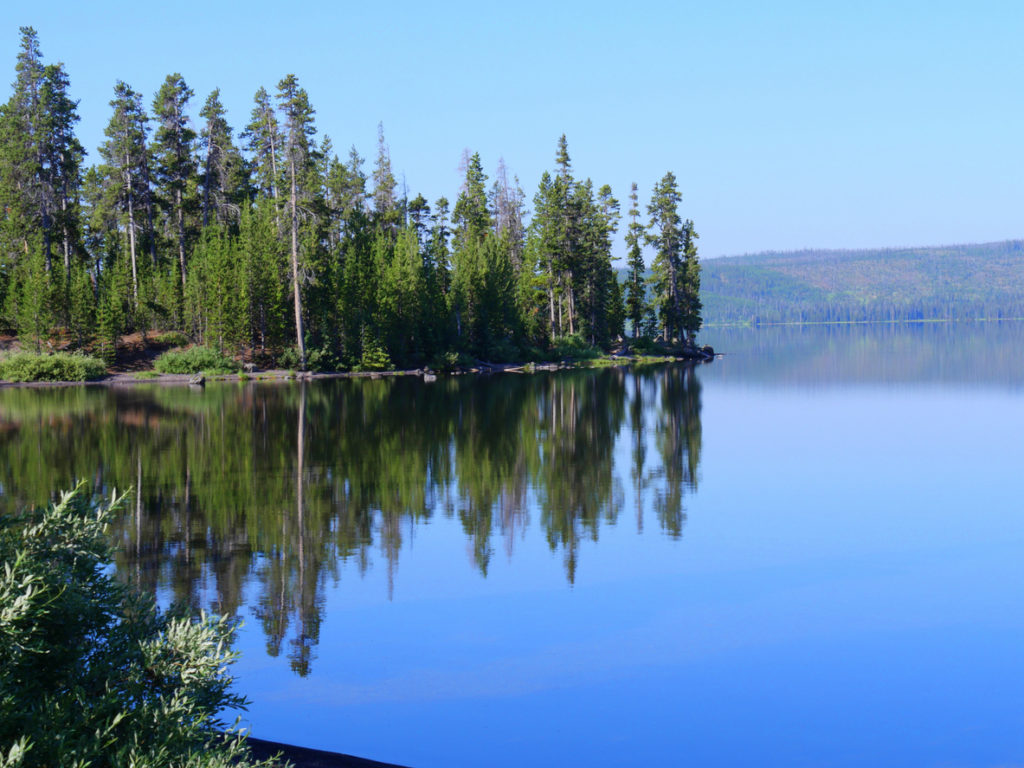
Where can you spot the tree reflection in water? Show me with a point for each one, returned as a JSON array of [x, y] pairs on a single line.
[[267, 490]]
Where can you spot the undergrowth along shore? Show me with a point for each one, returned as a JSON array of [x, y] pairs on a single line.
[[195, 363], [57, 366]]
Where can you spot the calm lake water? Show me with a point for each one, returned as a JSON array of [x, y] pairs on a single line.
[[809, 552]]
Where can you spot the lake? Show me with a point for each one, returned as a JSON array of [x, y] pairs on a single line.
[[809, 552]]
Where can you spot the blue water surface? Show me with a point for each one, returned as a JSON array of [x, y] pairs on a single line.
[[847, 590]]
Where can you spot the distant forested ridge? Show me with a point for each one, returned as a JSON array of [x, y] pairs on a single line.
[[931, 283], [266, 242]]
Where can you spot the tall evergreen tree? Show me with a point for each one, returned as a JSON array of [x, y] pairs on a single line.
[[345, 191], [545, 239], [665, 233], [224, 177], [300, 158], [566, 256], [471, 218], [40, 162], [175, 167], [692, 306], [419, 213], [471, 222], [385, 205], [635, 286], [482, 295], [600, 304], [24, 140], [263, 141], [125, 156], [438, 247], [264, 275], [401, 301], [62, 160]]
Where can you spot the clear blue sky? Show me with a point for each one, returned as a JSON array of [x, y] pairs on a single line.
[[788, 124]]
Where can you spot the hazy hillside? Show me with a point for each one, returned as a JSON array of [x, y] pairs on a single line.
[[958, 281]]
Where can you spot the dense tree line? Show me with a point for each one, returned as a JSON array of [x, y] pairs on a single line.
[[267, 242]]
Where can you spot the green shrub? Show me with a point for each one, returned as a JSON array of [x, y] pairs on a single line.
[[503, 351], [196, 360], [534, 354], [375, 357], [59, 366], [644, 345], [171, 339], [450, 361], [91, 673], [289, 359], [321, 360], [573, 346]]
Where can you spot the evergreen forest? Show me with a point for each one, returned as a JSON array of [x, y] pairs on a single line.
[[953, 282], [265, 242]]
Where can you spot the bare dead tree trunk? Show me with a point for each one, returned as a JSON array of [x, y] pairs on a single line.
[[131, 238], [181, 237]]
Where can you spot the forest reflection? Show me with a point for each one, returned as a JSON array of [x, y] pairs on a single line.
[[261, 493]]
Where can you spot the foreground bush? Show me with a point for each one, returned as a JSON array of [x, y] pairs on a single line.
[[91, 674], [196, 360], [59, 366]]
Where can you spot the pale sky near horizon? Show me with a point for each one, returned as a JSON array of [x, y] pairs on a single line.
[[789, 124]]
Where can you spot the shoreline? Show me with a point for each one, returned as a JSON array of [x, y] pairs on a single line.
[[123, 379], [303, 757]]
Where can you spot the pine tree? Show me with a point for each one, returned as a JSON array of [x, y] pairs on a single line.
[[599, 297], [26, 144], [401, 296], [125, 156], [471, 218], [263, 140], [34, 308], [21, 192], [62, 161], [264, 275], [111, 312], [419, 212], [385, 206], [666, 234], [300, 160], [566, 255], [81, 304], [542, 242], [507, 204], [216, 305], [224, 177], [471, 222], [175, 168], [440, 254], [635, 287], [692, 307], [559, 240]]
